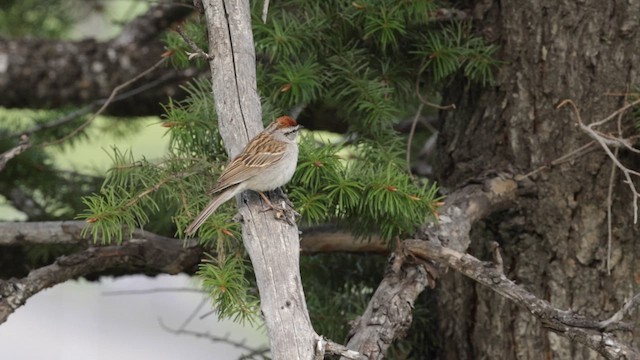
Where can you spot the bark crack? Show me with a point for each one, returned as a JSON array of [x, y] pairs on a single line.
[[235, 68]]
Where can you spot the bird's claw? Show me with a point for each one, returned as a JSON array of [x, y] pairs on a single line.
[[281, 212]]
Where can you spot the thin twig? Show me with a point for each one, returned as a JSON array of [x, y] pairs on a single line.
[[194, 313], [619, 315], [265, 10], [214, 338], [157, 187], [411, 133], [88, 108], [150, 291], [608, 118], [13, 152], [612, 177], [115, 91], [423, 100], [588, 129], [582, 150], [197, 52]]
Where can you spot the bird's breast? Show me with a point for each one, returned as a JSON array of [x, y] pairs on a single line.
[[277, 174]]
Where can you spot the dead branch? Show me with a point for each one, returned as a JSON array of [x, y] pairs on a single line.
[[325, 346], [607, 142], [619, 315], [388, 314], [142, 252], [197, 52], [113, 94], [329, 238], [214, 338], [15, 151], [567, 323]]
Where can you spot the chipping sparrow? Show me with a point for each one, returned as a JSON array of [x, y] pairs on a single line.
[[266, 163]]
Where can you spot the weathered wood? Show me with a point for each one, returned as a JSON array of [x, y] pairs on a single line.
[[140, 252], [390, 310], [272, 245]]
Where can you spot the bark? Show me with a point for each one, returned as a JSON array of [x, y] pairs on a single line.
[[43, 73], [389, 312], [273, 245], [595, 334], [555, 239]]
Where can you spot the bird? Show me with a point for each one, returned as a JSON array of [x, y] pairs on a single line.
[[267, 162]]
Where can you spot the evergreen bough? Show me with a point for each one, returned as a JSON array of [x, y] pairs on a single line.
[[365, 60]]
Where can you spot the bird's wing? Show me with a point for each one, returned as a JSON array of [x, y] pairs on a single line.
[[256, 156]]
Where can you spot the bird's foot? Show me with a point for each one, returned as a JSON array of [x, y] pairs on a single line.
[[284, 212]]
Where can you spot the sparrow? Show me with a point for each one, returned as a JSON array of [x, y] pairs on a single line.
[[266, 163]]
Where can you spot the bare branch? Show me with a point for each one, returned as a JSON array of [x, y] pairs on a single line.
[[265, 10], [582, 150], [115, 91], [197, 52], [567, 323], [142, 252], [389, 313], [151, 291], [17, 150], [619, 315], [274, 246], [318, 239], [605, 141], [328, 238], [325, 346], [214, 338], [65, 119], [410, 139]]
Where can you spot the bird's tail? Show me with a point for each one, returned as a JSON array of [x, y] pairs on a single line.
[[211, 207]]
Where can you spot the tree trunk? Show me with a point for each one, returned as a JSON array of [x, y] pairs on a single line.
[[555, 240]]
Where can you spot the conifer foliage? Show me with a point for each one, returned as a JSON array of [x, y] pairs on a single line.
[[368, 61]]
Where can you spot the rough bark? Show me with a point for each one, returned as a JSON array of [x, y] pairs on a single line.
[[273, 245], [42, 73], [555, 239], [389, 312], [593, 333]]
